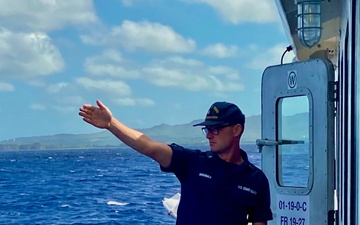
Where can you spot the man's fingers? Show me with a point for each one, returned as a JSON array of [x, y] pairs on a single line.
[[86, 120], [83, 113], [88, 108], [100, 104]]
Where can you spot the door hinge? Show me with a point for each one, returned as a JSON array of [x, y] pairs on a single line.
[[333, 95], [333, 217]]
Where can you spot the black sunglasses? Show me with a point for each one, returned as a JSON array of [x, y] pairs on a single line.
[[213, 129]]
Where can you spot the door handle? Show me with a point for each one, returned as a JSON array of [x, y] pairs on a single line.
[[266, 142]]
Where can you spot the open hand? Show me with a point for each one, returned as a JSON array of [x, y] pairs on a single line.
[[97, 116]]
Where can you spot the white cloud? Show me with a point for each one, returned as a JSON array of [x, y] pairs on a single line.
[[39, 107], [70, 100], [131, 3], [241, 11], [179, 72], [110, 63], [228, 72], [36, 82], [152, 37], [176, 78], [192, 75], [45, 15], [110, 86], [176, 61], [6, 87], [55, 88], [134, 101], [127, 3], [220, 51], [28, 54], [65, 109], [271, 56], [62, 103]]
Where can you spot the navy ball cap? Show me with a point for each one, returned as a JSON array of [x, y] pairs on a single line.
[[222, 114]]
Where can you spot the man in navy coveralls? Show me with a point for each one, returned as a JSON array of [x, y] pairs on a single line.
[[218, 187]]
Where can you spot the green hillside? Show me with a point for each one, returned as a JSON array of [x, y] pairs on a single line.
[[181, 134]]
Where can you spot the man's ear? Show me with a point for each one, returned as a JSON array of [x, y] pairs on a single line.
[[238, 130]]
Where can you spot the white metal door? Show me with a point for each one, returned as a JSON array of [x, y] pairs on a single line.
[[297, 142]]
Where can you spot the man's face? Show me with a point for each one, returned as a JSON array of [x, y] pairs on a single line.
[[220, 137]]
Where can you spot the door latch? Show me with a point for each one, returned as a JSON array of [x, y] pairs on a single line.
[[266, 142]]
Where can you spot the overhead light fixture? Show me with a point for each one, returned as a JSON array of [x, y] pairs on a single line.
[[309, 22]]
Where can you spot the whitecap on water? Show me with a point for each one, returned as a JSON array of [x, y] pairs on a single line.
[[117, 203]]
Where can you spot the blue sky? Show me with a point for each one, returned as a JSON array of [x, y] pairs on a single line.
[[149, 61]]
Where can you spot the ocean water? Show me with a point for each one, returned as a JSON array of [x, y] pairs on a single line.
[[99, 186]]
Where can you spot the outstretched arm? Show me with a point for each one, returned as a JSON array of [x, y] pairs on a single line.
[[100, 116]]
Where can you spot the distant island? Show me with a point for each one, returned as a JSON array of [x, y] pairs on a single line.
[[183, 134]]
